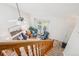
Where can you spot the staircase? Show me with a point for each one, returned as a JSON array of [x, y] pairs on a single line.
[[25, 47], [57, 50]]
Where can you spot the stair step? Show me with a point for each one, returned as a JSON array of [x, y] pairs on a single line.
[[55, 52]]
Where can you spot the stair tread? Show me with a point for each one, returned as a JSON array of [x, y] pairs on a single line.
[[55, 52]]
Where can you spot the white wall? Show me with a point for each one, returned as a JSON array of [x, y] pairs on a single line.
[[57, 29], [72, 47], [7, 13], [70, 25], [61, 29]]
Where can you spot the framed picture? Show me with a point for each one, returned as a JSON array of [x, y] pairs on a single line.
[[14, 31]]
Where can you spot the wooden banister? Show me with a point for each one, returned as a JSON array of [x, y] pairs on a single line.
[[31, 48]]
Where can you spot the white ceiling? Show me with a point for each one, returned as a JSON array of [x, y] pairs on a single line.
[[50, 10]]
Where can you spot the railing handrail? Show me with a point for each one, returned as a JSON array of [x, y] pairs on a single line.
[[4, 42], [22, 43]]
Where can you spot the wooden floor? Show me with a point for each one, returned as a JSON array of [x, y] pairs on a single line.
[[56, 50]]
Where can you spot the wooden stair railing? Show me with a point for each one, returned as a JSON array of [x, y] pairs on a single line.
[[25, 47]]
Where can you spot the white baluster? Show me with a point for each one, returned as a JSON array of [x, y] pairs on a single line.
[[30, 51], [23, 52], [37, 50], [34, 49]]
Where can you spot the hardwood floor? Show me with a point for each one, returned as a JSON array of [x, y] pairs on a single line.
[[56, 50]]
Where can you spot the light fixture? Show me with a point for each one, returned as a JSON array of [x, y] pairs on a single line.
[[20, 17]]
